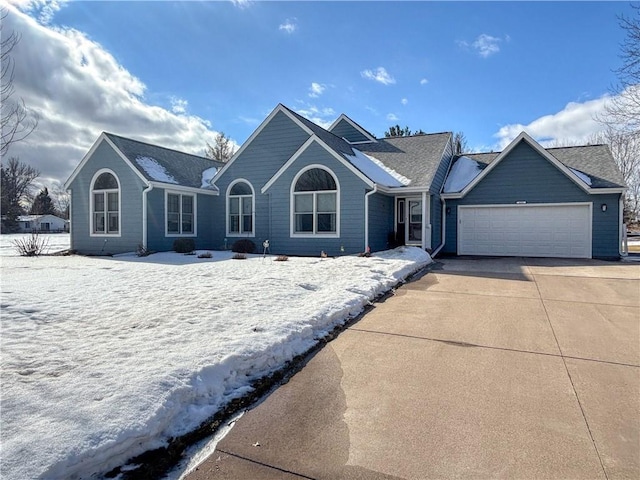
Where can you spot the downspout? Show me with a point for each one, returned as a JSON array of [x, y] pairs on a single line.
[[444, 228], [366, 215], [623, 248], [144, 214]]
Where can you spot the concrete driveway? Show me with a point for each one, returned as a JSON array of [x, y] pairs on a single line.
[[483, 368]]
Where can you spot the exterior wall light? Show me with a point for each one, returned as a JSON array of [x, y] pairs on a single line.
[[603, 207]]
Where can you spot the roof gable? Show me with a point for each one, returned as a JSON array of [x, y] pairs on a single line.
[[573, 171], [353, 133], [102, 138]]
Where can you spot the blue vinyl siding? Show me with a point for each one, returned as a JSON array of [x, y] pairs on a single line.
[[352, 191], [525, 176], [347, 131], [131, 187], [381, 217], [156, 237], [260, 160]]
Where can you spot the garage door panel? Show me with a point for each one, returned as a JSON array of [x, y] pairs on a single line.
[[525, 230]]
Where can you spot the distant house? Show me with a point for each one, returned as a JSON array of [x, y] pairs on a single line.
[[340, 190], [42, 224]]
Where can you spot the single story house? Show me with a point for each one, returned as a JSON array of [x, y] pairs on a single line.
[[42, 223], [341, 190]]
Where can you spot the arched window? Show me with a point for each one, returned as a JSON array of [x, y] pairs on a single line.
[[105, 204], [315, 203], [240, 209]]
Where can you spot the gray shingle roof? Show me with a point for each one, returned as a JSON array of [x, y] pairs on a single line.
[[416, 157], [185, 169], [336, 143], [595, 161]]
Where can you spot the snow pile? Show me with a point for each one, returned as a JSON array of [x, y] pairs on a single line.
[[462, 173], [377, 171], [104, 358], [207, 176], [156, 171], [582, 176]]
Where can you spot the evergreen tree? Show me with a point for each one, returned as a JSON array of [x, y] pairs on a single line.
[[42, 204], [17, 180], [396, 131]]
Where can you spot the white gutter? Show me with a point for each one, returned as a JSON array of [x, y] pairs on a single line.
[[144, 214], [444, 229], [623, 247], [366, 215]]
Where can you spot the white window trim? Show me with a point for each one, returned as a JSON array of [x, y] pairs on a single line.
[[292, 214], [91, 210], [252, 234], [166, 213]]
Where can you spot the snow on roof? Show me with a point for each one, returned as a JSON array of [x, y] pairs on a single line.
[[155, 170], [377, 171], [462, 173], [207, 176], [582, 176]]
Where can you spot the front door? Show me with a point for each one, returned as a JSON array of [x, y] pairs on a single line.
[[414, 221]]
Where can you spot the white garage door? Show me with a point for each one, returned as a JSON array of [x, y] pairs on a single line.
[[525, 230]]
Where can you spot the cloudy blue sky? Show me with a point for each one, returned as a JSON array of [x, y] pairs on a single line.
[[174, 73]]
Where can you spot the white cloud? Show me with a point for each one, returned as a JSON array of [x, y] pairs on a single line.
[[574, 124], [316, 89], [78, 89], [241, 3], [289, 26], [43, 10], [485, 45], [424, 81], [404, 101], [179, 105], [320, 116], [392, 117], [379, 75]]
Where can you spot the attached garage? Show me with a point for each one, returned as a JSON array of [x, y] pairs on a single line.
[[543, 230], [534, 202]]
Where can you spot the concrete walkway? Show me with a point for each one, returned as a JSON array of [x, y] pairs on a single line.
[[483, 368]]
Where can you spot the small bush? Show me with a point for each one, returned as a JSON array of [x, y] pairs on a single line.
[[184, 245], [205, 255], [239, 256], [244, 245], [364, 254], [31, 246], [281, 258], [143, 251]]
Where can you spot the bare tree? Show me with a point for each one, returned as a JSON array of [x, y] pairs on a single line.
[[16, 121], [623, 109], [625, 149], [16, 190], [222, 149], [460, 143]]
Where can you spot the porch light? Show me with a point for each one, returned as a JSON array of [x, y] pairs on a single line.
[[603, 207]]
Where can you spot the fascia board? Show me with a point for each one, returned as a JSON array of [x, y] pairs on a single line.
[[182, 188]]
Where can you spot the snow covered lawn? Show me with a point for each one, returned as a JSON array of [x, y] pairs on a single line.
[[104, 358]]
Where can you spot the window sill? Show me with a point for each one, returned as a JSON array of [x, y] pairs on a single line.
[[241, 235], [107, 235], [314, 235]]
